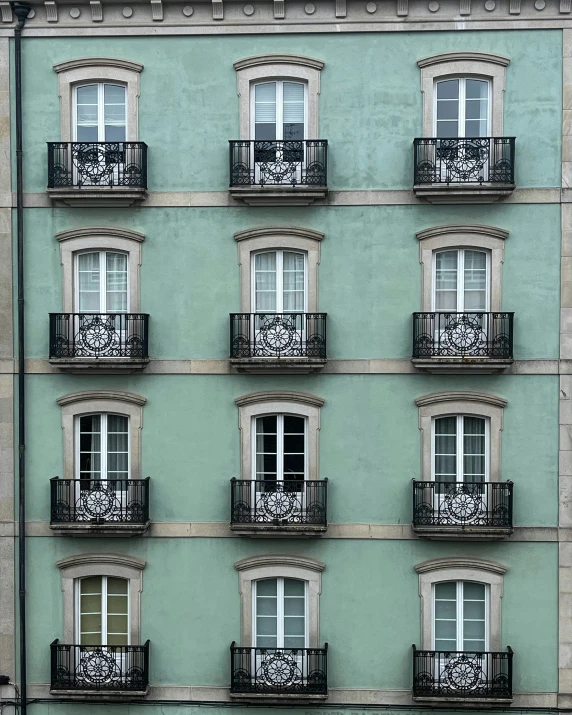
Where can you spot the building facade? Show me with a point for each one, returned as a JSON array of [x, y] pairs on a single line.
[[298, 346]]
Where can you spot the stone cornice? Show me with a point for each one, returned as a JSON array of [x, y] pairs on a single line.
[[82, 62], [90, 395], [107, 231], [279, 560], [279, 396], [108, 559], [257, 60], [478, 229], [464, 562], [482, 397], [297, 231], [463, 57]]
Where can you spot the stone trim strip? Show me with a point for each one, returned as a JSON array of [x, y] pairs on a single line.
[[74, 397], [439, 397], [84, 565], [82, 62], [359, 197], [478, 229], [297, 567], [366, 532], [257, 398], [258, 60], [336, 696], [463, 56], [457, 562], [264, 231], [111, 231]]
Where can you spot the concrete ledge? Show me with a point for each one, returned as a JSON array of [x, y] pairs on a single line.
[[104, 529], [97, 196], [462, 193], [461, 366], [99, 366], [278, 195], [277, 366], [462, 533]]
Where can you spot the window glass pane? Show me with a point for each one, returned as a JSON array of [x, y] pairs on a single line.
[[266, 587], [446, 449], [475, 128], [448, 109], [265, 102], [87, 134], [88, 274], [90, 447], [448, 89], [475, 276], [446, 280], [293, 281], [294, 587], [266, 613], [474, 591], [116, 269], [115, 133], [447, 130], [87, 94], [446, 590], [114, 97], [266, 445], [90, 610], [265, 281], [445, 616], [477, 89], [474, 627], [474, 449]]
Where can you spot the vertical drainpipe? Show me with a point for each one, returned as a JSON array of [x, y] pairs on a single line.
[[21, 11]]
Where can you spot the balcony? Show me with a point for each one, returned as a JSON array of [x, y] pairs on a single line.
[[112, 670], [83, 507], [278, 673], [463, 171], [451, 510], [279, 173], [278, 508], [457, 343], [97, 173], [99, 342], [270, 343], [462, 677]]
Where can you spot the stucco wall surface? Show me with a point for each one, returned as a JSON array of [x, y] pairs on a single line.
[[369, 607], [369, 275], [370, 104], [369, 440]]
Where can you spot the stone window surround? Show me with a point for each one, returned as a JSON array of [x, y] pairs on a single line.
[[279, 66], [439, 238], [279, 402], [267, 238], [115, 565], [94, 401], [98, 69], [483, 64], [95, 238], [439, 404], [461, 569], [255, 568]]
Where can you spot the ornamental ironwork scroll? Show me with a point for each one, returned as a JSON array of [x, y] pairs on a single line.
[[97, 164], [123, 501], [279, 163], [99, 667], [278, 335], [279, 502], [479, 335], [98, 335], [464, 160], [462, 674], [279, 670], [474, 504]]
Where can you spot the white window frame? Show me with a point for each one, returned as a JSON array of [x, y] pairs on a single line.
[[102, 279], [77, 589], [279, 610], [279, 81], [103, 443], [466, 64], [279, 443], [459, 440], [461, 278], [460, 611], [279, 278], [100, 107], [462, 103]]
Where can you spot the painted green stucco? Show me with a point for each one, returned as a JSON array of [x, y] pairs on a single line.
[[188, 111], [369, 607], [369, 276]]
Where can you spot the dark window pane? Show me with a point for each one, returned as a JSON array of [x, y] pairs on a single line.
[[293, 131], [293, 424], [293, 443], [293, 463], [266, 424], [265, 132]]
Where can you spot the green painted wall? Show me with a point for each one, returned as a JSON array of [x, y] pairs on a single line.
[[369, 440], [191, 629], [369, 276], [370, 124]]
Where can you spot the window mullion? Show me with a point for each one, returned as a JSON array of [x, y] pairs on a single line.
[[103, 281], [460, 448], [100, 112], [104, 610], [103, 446], [280, 448], [280, 109], [279, 281], [460, 280], [460, 614], [462, 105], [280, 612]]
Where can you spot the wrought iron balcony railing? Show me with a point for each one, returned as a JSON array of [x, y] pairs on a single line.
[[76, 165], [460, 504], [279, 163], [279, 503], [462, 674], [464, 160], [116, 501], [278, 335], [99, 335], [99, 667], [275, 671], [476, 335]]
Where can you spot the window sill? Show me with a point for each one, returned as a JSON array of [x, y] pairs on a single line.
[[99, 695], [279, 530], [462, 533], [88, 528], [467, 702], [277, 366], [461, 365], [463, 193], [278, 195], [97, 196], [270, 698]]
